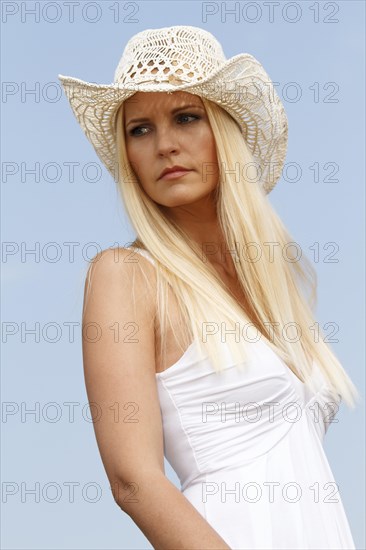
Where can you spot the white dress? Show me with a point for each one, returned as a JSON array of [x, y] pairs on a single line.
[[247, 448]]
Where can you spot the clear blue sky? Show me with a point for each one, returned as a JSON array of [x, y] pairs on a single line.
[[319, 46]]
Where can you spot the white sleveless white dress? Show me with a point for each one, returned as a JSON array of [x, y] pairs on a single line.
[[247, 447]]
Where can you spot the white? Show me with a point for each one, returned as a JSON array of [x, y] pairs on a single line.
[[247, 446]]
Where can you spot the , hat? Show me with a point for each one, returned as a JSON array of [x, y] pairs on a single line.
[[189, 59]]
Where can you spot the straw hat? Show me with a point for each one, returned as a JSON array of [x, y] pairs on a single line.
[[189, 59]]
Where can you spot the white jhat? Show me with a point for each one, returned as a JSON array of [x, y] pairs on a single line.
[[190, 59]]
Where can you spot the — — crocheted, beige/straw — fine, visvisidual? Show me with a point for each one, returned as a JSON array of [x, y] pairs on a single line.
[[189, 59]]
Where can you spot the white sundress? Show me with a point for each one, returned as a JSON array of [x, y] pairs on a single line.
[[247, 446]]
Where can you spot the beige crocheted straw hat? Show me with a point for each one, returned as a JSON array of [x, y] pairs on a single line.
[[190, 59]]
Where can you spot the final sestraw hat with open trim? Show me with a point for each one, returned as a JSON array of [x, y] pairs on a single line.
[[189, 59]]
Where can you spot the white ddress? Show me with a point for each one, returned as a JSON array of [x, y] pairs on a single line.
[[247, 447]]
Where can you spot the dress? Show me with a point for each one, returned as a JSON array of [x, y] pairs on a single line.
[[247, 447]]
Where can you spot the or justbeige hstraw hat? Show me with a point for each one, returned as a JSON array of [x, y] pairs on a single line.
[[190, 59]]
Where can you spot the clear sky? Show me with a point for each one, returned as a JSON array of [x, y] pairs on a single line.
[[52, 224]]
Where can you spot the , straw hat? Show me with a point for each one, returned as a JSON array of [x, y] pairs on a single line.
[[189, 59]]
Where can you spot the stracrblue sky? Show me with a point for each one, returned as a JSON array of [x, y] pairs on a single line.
[[58, 210]]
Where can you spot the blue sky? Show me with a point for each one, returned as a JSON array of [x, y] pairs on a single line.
[[313, 48]]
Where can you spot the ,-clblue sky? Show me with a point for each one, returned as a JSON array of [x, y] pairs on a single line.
[[52, 224]]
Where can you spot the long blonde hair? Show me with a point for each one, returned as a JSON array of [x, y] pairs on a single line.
[[280, 291]]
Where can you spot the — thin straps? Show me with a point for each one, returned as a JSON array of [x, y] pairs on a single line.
[[142, 252]]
